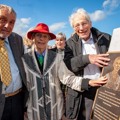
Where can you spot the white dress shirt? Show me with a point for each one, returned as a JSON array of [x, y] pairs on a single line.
[[90, 71], [16, 82]]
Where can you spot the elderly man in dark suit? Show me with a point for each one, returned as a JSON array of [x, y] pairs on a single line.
[[12, 87]]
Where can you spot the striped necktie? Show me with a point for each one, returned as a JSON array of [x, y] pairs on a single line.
[[5, 72]]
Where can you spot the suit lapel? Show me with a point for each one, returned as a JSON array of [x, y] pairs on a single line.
[[14, 48], [17, 53]]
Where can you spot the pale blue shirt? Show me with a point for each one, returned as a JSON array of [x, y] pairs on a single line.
[[16, 82], [90, 71]]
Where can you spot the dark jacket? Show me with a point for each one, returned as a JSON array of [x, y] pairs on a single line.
[[16, 45], [76, 62]]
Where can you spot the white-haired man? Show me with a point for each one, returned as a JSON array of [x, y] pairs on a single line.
[[12, 74], [85, 56]]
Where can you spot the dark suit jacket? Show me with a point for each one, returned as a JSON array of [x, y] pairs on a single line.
[[16, 44], [76, 62]]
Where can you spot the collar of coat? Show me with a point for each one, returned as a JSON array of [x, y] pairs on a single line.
[[31, 62]]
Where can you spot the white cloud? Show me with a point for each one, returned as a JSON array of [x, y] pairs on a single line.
[[97, 15], [25, 20], [106, 3], [109, 7], [22, 25], [57, 26]]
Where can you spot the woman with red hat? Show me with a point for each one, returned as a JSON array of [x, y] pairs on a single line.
[[45, 69]]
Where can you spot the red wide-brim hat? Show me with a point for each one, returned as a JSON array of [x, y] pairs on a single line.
[[41, 28]]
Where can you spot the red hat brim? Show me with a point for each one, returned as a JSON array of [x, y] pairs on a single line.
[[30, 33]]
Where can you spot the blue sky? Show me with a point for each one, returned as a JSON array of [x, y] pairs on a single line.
[[105, 14]]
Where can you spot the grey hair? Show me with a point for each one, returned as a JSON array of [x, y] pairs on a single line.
[[80, 12], [60, 34], [10, 9]]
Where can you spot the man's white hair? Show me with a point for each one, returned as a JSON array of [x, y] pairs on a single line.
[[10, 9], [78, 13]]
